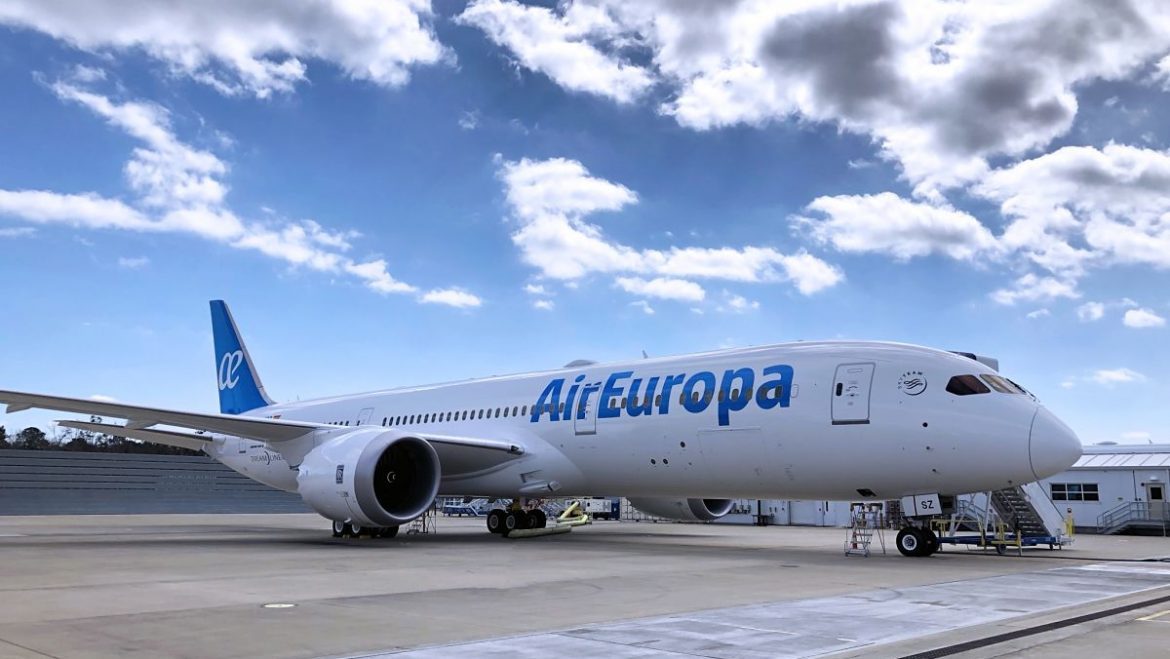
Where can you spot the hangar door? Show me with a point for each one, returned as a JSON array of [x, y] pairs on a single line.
[[851, 393]]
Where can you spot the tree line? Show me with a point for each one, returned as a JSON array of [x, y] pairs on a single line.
[[72, 439]]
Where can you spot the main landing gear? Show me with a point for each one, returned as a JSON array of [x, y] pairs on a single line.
[[917, 542], [351, 530], [515, 517]]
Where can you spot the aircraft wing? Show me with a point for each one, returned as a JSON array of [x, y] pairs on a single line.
[[137, 418], [188, 440]]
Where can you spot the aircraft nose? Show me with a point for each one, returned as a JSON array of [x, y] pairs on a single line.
[[1052, 446]]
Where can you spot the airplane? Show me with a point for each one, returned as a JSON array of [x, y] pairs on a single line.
[[680, 437]]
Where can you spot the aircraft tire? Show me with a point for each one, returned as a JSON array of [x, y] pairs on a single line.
[[538, 519], [339, 530], [388, 532], [495, 521], [933, 544], [511, 523], [356, 531], [910, 542], [524, 519]]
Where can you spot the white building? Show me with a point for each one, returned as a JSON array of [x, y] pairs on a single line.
[[1112, 482]]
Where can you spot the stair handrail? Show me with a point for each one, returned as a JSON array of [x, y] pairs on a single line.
[[1122, 514]]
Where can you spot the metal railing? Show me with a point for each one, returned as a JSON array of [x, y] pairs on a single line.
[[1135, 513]]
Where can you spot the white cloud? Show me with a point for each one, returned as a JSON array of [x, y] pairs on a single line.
[[1136, 436], [543, 305], [256, 48], [1142, 318], [1091, 311], [940, 86], [535, 289], [886, 223], [662, 287], [550, 199], [644, 306], [1110, 377], [133, 262], [564, 44], [79, 210], [452, 297], [469, 120], [17, 232], [1081, 206], [738, 303], [1031, 288], [180, 189], [1037, 314]]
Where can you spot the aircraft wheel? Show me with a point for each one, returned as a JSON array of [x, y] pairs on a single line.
[[910, 541], [389, 532], [931, 543], [339, 530], [523, 519], [356, 530], [511, 523], [537, 518], [495, 521]]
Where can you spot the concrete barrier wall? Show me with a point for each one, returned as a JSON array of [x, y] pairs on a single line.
[[74, 483]]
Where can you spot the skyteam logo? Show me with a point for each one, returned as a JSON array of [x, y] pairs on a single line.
[[912, 383], [656, 395], [228, 369]]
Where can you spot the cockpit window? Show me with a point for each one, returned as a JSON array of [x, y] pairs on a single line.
[[965, 385], [1002, 385]]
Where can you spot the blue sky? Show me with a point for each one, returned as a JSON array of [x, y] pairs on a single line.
[[396, 192]]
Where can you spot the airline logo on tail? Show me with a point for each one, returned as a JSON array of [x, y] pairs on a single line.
[[239, 386], [228, 367]]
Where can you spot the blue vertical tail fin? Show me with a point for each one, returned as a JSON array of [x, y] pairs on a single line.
[[239, 384]]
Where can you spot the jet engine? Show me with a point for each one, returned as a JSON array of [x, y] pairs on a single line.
[[687, 510], [373, 477]]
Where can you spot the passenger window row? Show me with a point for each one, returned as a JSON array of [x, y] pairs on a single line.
[[627, 403], [461, 415], [522, 410]]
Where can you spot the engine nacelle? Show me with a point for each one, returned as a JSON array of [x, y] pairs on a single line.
[[687, 510], [370, 476]]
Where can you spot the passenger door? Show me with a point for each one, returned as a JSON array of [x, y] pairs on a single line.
[[851, 387], [585, 416], [364, 416]]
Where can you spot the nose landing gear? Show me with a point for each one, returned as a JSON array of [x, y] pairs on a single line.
[[917, 542]]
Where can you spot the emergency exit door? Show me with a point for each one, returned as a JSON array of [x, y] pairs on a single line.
[[851, 393]]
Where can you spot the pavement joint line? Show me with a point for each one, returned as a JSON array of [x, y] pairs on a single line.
[[996, 639], [1156, 616], [28, 649]]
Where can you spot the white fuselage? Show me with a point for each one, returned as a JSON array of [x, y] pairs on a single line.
[[847, 420]]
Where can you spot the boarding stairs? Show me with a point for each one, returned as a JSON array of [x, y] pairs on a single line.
[[1134, 516], [1027, 511]]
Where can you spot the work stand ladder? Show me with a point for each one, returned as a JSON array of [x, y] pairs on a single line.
[[424, 523], [865, 523]]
